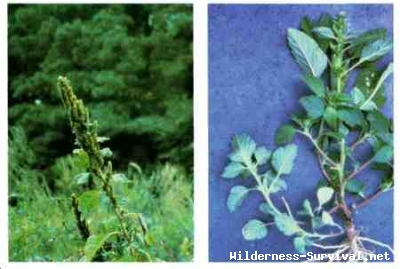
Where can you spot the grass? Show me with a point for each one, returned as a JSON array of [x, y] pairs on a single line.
[[42, 226]]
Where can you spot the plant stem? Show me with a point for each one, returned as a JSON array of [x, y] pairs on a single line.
[[263, 190], [360, 169], [369, 199], [317, 147]]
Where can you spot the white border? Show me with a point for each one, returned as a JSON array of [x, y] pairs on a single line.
[[200, 9]]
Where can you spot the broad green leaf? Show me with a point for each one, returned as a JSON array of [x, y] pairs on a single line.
[[375, 91], [327, 218], [324, 32], [94, 243], [342, 99], [358, 96], [82, 178], [236, 196], [106, 153], [307, 53], [324, 195], [352, 117], [369, 106], [387, 138], [232, 170], [368, 37], [384, 154], [254, 230], [300, 244], [279, 185], [355, 186], [283, 159], [89, 201], [378, 123], [119, 177], [376, 50], [262, 155], [307, 26], [330, 116], [286, 224], [367, 81], [266, 209], [313, 105], [315, 84], [285, 134], [243, 147]]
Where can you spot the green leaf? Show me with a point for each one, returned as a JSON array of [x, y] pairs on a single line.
[[285, 134], [243, 147], [355, 186], [378, 123], [315, 84], [286, 224], [82, 178], [89, 201], [313, 105], [386, 184], [324, 32], [300, 244], [307, 209], [351, 117], [358, 96], [343, 130], [375, 50], [324, 195], [384, 154], [262, 155], [317, 222], [232, 170], [236, 196], [254, 230], [309, 56], [283, 159], [266, 209], [279, 185], [367, 81], [306, 25], [119, 177], [94, 243], [369, 106], [330, 116], [327, 219], [106, 153], [377, 89], [369, 37]]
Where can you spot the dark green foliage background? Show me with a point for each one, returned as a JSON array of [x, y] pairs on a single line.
[[132, 66]]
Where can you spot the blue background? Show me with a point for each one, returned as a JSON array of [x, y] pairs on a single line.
[[254, 87]]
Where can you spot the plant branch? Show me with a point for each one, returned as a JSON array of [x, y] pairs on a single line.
[[360, 169], [320, 151], [369, 199]]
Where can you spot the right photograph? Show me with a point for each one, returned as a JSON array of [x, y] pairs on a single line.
[[301, 133]]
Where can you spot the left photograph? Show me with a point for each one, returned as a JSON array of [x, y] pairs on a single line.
[[100, 114]]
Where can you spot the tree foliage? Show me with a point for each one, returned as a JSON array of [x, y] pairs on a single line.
[[131, 64]]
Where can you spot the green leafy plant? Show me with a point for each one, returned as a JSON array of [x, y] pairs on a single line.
[[86, 204], [337, 120]]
